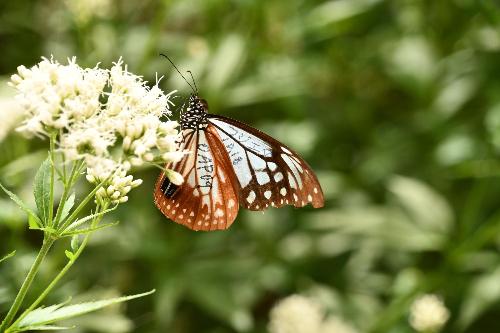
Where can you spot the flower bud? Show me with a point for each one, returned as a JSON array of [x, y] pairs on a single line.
[[126, 142], [16, 79], [25, 73], [173, 156], [136, 183], [175, 177], [101, 192], [110, 189]]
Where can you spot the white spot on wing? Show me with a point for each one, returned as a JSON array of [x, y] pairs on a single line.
[[283, 191], [272, 166], [251, 197], [219, 213], [291, 180], [292, 167], [262, 177], [256, 162], [267, 194], [278, 177], [248, 140]]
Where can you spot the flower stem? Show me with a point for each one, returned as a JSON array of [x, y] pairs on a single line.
[[68, 184], [65, 269], [47, 243], [52, 177]]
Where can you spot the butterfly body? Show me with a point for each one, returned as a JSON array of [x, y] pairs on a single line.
[[195, 115], [231, 164]]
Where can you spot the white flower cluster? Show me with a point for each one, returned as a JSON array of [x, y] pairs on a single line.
[[299, 314], [428, 314], [109, 118]]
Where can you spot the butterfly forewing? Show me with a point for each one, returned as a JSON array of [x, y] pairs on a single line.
[[268, 172], [208, 198]]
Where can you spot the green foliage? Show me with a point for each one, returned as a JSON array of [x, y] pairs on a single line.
[[394, 103], [34, 220], [43, 318], [13, 253], [41, 191]]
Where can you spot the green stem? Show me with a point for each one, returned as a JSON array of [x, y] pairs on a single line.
[[77, 210], [52, 172], [65, 269], [47, 243], [67, 187]]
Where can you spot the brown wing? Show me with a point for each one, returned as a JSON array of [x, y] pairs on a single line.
[[269, 173], [208, 198]]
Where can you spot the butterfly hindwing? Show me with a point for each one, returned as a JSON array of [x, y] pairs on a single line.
[[268, 172], [208, 198]]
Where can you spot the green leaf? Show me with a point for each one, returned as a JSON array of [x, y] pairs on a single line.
[[75, 243], [8, 256], [88, 230], [44, 328], [23, 206], [51, 314], [41, 190], [88, 218], [33, 223], [67, 206]]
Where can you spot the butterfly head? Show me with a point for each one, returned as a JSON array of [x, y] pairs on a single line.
[[194, 116]]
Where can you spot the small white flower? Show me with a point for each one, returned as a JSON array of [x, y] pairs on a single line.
[[110, 119], [296, 314], [175, 177], [428, 314]]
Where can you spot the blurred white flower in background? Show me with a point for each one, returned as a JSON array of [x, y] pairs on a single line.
[[300, 314], [109, 119], [428, 313], [10, 116], [296, 314], [84, 10]]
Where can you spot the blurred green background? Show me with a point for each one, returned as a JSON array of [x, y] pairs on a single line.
[[395, 105]]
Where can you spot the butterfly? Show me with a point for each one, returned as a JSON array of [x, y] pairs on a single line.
[[229, 164]]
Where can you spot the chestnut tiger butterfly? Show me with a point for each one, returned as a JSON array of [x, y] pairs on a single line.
[[229, 164]]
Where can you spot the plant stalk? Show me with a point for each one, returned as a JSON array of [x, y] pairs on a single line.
[[65, 269], [47, 244]]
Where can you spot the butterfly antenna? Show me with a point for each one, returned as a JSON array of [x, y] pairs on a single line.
[[178, 71], [194, 82]]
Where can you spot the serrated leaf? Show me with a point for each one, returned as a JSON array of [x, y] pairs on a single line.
[[22, 205], [55, 313], [8, 256], [41, 190], [67, 206]]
